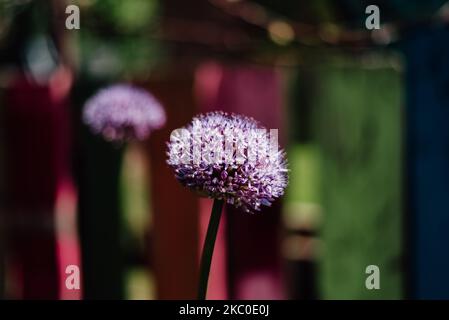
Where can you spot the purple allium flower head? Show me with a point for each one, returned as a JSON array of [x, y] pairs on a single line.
[[229, 157], [122, 112]]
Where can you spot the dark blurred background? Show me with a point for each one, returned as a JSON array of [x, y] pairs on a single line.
[[361, 113]]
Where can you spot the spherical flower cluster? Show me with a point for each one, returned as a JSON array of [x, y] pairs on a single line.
[[229, 157], [122, 112]]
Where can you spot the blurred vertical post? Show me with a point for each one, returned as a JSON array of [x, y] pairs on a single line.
[[427, 167], [207, 82], [358, 123], [98, 165], [302, 209], [37, 142], [67, 246], [175, 221], [253, 241], [40, 198]]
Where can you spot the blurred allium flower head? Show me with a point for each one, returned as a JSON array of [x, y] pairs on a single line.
[[123, 112], [229, 157]]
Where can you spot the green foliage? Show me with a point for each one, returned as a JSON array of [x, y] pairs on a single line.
[[116, 38], [125, 17], [304, 174], [358, 122]]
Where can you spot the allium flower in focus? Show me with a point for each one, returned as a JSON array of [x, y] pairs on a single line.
[[229, 157], [122, 112]]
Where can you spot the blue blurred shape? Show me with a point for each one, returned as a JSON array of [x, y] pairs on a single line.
[[427, 93]]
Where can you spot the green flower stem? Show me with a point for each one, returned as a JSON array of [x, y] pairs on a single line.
[[208, 248]]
